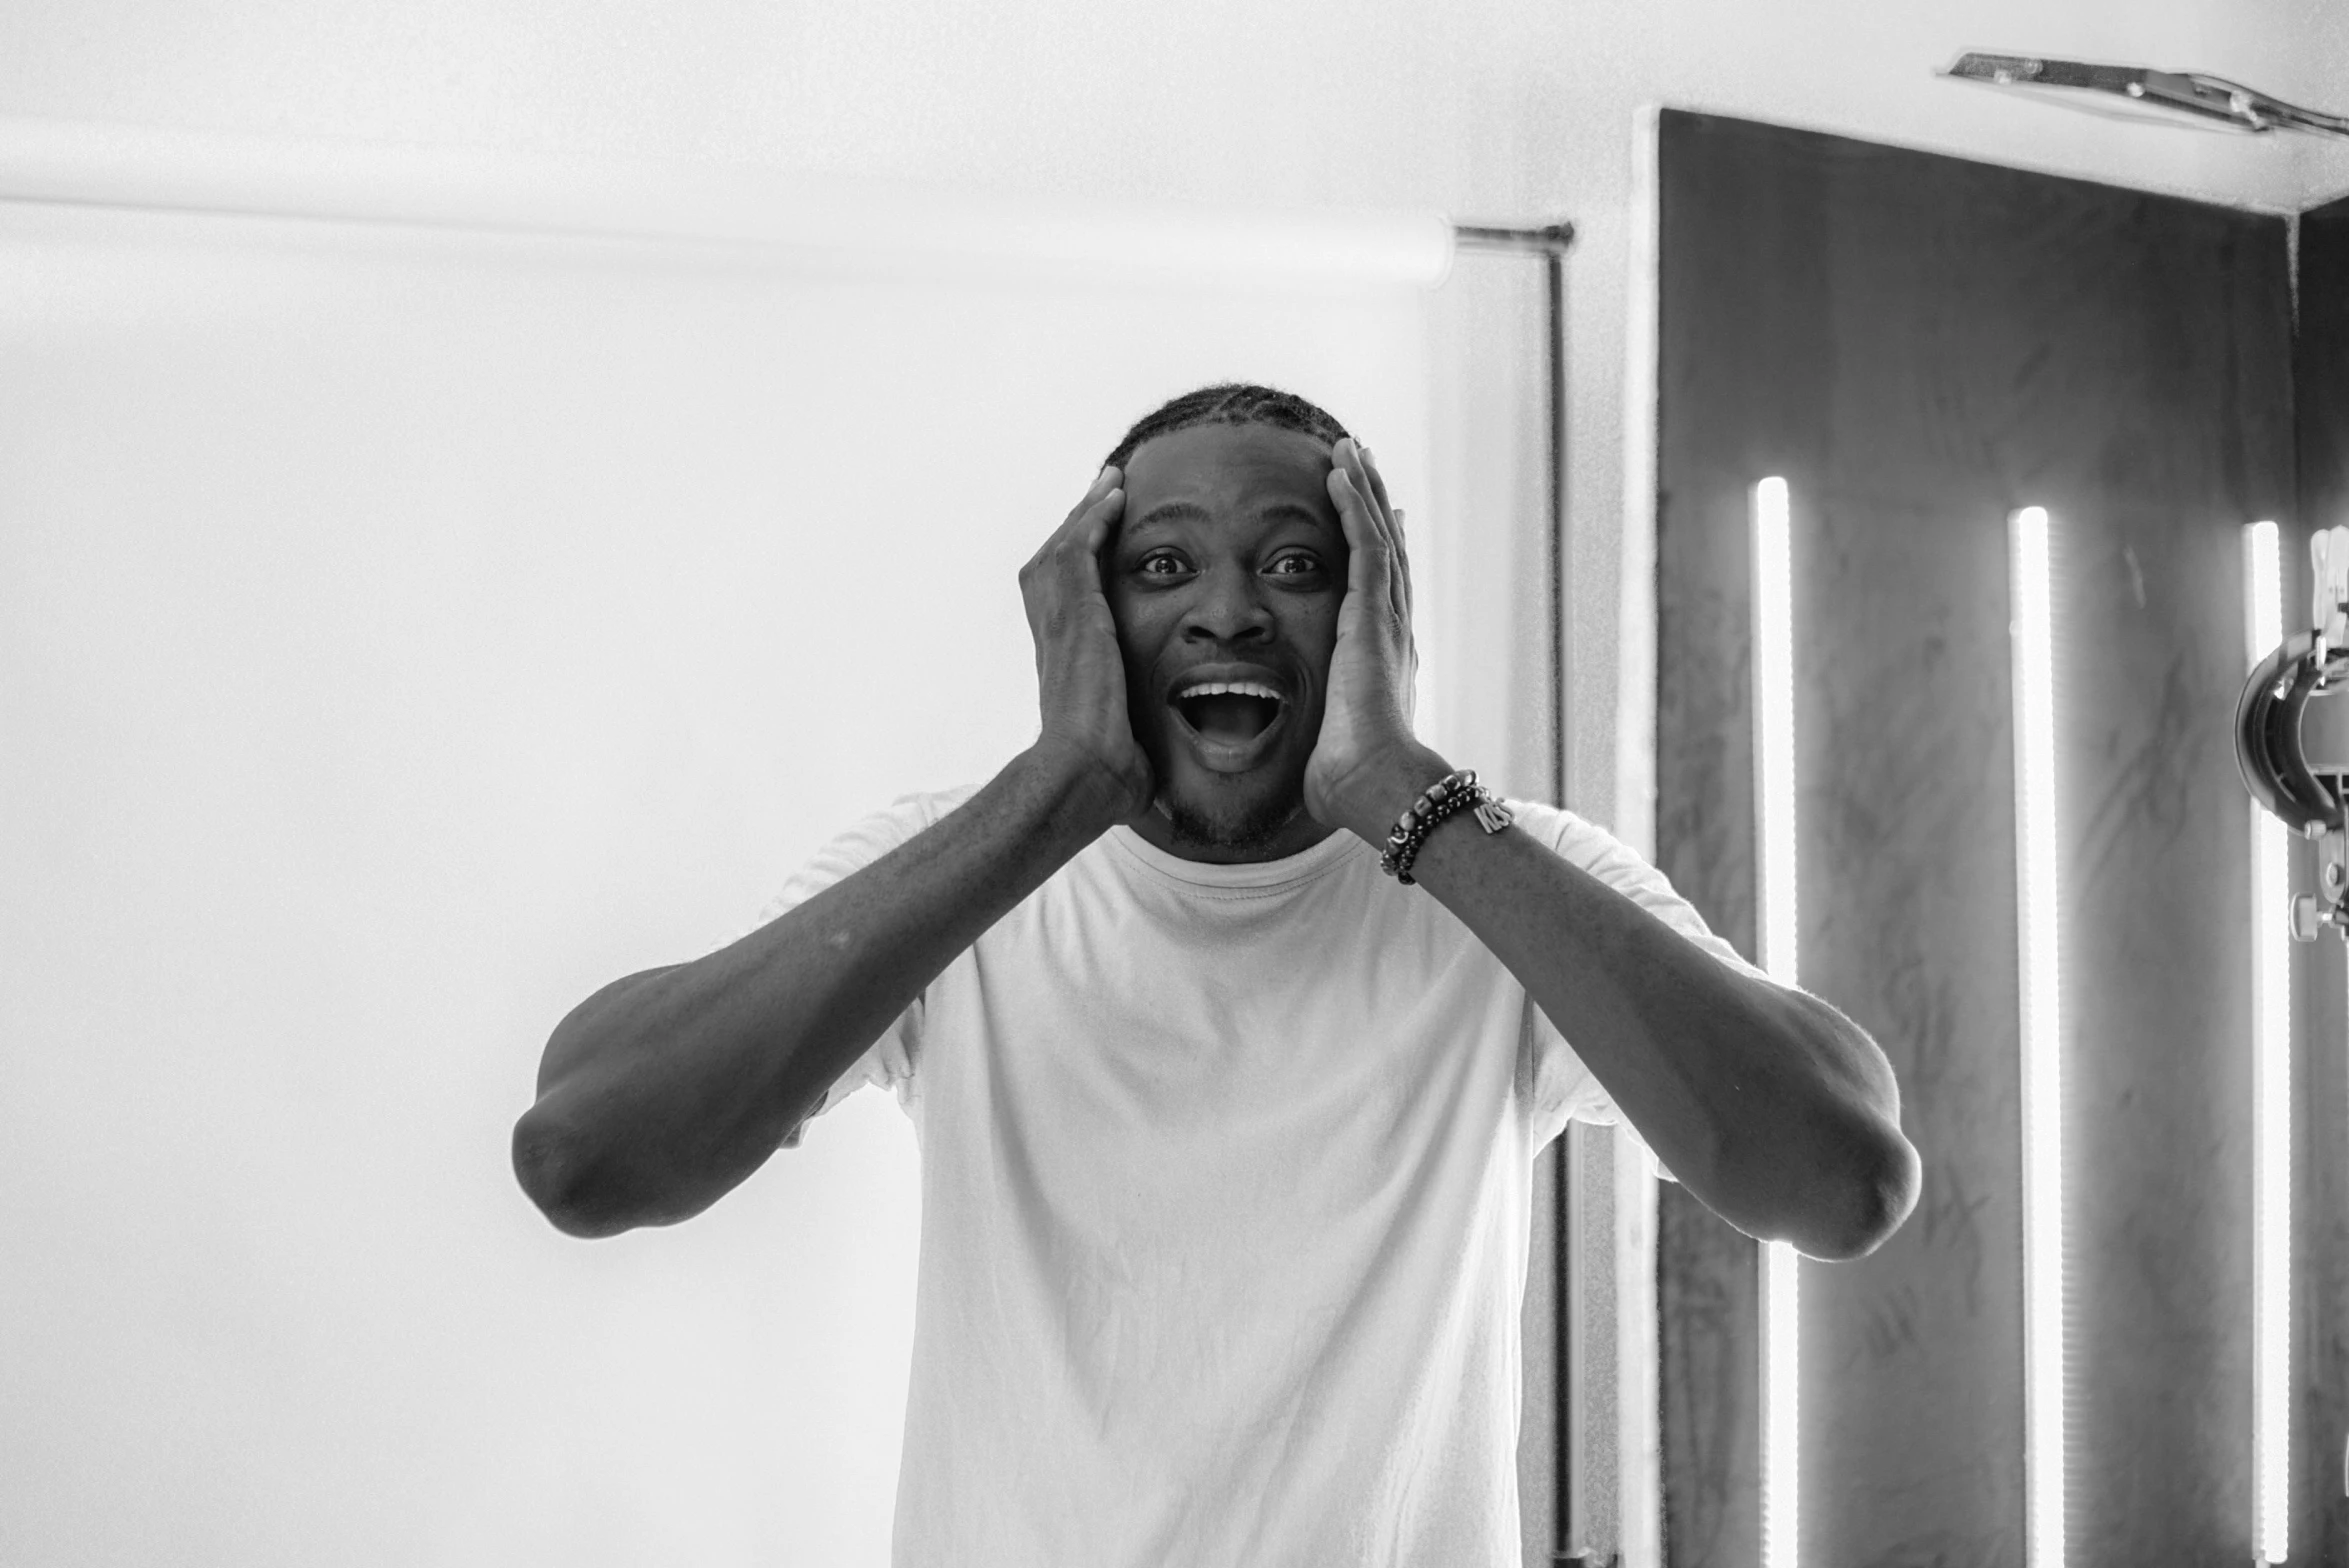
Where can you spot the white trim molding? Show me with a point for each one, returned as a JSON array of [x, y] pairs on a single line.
[[113, 165]]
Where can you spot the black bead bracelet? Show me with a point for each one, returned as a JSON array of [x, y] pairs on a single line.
[[1452, 793]]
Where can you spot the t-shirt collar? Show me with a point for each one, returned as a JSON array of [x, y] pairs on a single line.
[[1289, 869]]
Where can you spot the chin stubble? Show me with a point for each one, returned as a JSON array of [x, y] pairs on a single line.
[[1255, 828]]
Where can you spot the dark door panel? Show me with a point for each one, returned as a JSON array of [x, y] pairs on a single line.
[[1920, 345]]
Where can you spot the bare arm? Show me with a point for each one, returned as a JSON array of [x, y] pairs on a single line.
[[664, 1090], [1775, 1110]]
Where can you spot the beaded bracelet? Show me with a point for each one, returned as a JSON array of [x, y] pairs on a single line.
[[1452, 793], [1415, 823]]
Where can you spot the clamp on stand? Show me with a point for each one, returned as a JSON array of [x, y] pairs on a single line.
[[2310, 799]]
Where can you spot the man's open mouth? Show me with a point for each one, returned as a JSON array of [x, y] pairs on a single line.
[[1228, 713]]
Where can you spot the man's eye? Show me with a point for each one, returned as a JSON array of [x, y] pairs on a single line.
[[1294, 565], [1159, 565]]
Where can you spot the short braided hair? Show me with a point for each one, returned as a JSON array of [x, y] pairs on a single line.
[[1230, 403]]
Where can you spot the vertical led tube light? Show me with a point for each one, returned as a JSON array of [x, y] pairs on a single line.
[[2271, 1078], [2042, 1038], [1773, 709]]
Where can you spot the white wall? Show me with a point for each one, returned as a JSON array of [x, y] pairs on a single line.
[[401, 634]]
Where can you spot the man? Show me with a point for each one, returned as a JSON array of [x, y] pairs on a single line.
[[1227, 1106]]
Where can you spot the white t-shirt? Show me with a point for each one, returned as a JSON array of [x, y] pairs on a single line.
[[1225, 1182]]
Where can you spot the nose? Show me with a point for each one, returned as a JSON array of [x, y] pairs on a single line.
[[1228, 608]]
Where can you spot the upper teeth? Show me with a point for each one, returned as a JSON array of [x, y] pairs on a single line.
[[1231, 688]]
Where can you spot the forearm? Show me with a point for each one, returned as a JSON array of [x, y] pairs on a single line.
[[1772, 1108], [663, 1091]]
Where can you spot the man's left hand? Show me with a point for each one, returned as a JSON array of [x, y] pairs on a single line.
[[1366, 752]]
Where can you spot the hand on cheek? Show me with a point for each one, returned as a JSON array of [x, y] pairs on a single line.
[[1366, 745], [1080, 668]]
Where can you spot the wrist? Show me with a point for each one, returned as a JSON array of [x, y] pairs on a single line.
[[1081, 793], [1455, 794], [1379, 792]]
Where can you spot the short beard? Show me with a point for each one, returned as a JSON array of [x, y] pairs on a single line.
[[1249, 830]]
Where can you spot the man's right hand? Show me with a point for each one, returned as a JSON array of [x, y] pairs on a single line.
[[663, 1090], [1080, 674]]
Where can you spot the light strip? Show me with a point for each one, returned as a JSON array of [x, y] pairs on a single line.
[[2042, 1039], [1781, 1406], [1774, 726], [2271, 1077], [1773, 707]]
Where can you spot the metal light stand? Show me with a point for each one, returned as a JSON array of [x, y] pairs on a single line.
[[1550, 243]]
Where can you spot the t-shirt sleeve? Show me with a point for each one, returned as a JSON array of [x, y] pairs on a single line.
[[888, 1063], [1563, 1089]]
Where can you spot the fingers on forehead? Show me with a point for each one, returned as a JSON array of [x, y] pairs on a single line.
[[1102, 503], [1352, 460], [1375, 510], [1355, 512]]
